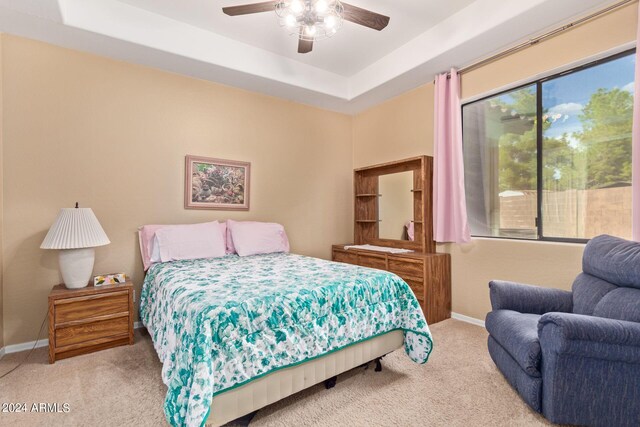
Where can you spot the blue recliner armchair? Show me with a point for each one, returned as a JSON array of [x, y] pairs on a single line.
[[575, 356]]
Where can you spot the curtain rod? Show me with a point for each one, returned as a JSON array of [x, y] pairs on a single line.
[[543, 37]]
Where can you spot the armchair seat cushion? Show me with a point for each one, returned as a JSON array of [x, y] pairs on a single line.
[[517, 333]]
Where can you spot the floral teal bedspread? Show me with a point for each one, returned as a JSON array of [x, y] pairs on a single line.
[[219, 323]]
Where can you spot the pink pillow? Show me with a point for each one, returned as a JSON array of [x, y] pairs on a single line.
[[190, 241], [145, 237], [146, 233], [252, 238]]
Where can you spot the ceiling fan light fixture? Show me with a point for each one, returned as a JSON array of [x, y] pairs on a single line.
[[330, 22], [290, 21], [310, 20], [297, 6], [321, 6]]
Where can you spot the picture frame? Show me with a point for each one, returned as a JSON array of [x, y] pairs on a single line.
[[218, 184]]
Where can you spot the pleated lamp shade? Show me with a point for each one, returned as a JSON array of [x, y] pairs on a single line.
[[75, 228]]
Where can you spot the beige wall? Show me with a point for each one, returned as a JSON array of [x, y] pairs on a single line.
[[397, 129], [607, 32], [113, 137], [403, 127]]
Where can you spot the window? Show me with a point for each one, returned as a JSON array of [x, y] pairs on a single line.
[[552, 160]]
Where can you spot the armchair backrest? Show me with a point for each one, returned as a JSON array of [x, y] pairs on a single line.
[[609, 285]]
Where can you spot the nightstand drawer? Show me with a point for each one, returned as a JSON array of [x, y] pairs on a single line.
[[406, 267], [80, 308], [91, 331]]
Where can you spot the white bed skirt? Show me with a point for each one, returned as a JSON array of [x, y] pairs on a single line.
[[269, 389]]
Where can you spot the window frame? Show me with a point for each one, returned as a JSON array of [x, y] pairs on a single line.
[[539, 141]]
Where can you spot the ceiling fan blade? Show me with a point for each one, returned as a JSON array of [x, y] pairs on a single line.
[[364, 17], [245, 9], [305, 46]]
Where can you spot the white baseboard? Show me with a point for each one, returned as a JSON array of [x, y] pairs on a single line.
[[15, 348], [467, 319]]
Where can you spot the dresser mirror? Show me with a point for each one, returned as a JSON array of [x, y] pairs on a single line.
[[395, 206]]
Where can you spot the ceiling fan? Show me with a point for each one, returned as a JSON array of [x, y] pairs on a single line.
[[312, 20]]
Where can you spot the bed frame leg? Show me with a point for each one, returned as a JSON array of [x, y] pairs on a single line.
[[245, 420], [378, 364], [330, 383]]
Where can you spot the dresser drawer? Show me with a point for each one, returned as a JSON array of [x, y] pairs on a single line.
[[372, 261], [417, 286], [407, 267], [349, 258], [80, 308], [91, 331]]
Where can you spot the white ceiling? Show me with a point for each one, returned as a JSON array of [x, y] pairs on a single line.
[[352, 49], [352, 71]]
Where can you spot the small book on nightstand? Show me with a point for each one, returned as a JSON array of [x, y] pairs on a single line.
[[89, 319]]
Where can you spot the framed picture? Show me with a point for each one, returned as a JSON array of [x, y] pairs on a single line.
[[216, 184]]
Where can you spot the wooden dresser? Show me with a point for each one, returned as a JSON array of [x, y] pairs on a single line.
[[427, 272], [89, 319], [428, 275]]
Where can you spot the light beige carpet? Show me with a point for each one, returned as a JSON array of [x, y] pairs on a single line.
[[459, 386]]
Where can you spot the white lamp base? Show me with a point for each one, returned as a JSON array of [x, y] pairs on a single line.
[[76, 266]]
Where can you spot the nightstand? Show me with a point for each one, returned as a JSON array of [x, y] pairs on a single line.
[[89, 319]]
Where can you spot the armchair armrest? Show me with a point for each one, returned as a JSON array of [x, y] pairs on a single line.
[[528, 299], [590, 336], [590, 369]]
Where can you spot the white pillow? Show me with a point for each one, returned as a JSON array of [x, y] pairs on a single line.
[[252, 238], [189, 241]]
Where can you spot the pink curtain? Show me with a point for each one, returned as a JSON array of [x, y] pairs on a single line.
[[635, 180], [449, 205]]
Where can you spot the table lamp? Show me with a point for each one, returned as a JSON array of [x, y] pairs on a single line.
[[76, 232]]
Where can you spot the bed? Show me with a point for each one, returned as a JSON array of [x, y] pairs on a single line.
[[235, 334]]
